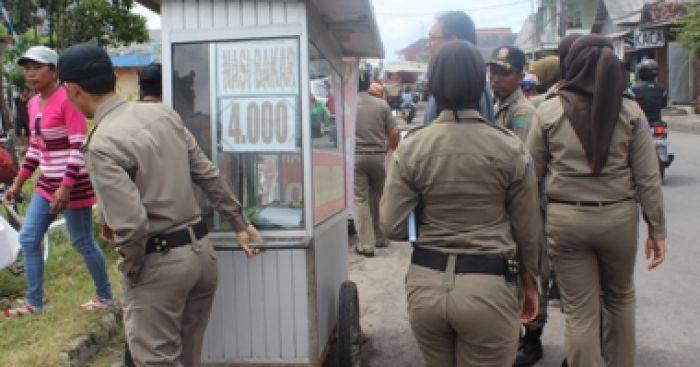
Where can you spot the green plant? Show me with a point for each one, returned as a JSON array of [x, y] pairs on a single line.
[[688, 29]]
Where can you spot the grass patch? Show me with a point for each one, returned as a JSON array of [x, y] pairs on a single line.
[[37, 340]]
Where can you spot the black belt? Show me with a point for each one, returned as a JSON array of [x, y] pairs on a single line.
[[587, 203], [164, 242], [467, 264], [369, 153]]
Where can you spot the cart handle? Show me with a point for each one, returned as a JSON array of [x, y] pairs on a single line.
[[271, 244]]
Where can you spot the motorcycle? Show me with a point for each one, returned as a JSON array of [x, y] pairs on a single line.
[[659, 133]]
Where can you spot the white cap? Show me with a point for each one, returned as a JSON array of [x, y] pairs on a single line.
[[40, 54]]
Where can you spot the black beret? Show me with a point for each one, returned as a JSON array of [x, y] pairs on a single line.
[[84, 62]]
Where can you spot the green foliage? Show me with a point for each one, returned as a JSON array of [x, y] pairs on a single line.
[[105, 22], [108, 23], [688, 29], [16, 77]]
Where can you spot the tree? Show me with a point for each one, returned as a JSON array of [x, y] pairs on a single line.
[[688, 29], [108, 23], [105, 22]]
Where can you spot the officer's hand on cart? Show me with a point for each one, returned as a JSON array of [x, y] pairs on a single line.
[[531, 304], [246, 237], [60, 199], [655, 252]]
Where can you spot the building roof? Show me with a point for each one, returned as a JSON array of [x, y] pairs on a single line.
[[131, 61]]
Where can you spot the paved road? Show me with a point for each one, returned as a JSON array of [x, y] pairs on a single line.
[[668, 326]]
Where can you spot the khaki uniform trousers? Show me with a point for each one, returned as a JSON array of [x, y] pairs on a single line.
[[369, 184], [463, 320], [167, 311], [593, 251]]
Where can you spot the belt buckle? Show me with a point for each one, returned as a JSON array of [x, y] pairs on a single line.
[[512, 270], [162, 246]]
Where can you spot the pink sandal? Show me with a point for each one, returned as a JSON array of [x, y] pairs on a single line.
[[20, 311]]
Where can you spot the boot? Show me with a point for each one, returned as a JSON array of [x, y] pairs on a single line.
[[530, 350]]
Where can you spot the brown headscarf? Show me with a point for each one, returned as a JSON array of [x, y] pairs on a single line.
[[564, 47], [591, 94], [457, 75]]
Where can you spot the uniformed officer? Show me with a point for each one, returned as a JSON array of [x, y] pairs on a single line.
[[548, 76], [512, 110], [475, 192], [143, 164], [374, 133], [549, 70], [593, 150]]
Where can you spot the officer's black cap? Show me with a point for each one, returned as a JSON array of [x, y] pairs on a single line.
[[509, 58], [151, 74], [84, 62]]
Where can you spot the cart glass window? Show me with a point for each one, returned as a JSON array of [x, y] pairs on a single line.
[[253, 87], [326, 117]]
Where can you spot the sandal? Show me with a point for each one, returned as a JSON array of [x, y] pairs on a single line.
[[96, 303], [20, 311]]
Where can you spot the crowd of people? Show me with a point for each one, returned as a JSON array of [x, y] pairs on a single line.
[[508, 180]]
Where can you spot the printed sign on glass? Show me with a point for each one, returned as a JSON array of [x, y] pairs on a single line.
[[264, 67]]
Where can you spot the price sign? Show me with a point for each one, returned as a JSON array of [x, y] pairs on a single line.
[[258, 124]]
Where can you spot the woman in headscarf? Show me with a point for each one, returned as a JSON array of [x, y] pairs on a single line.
[[474, 194], [593, 150]]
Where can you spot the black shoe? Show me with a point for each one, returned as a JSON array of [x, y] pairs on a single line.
[[365, 253], [528, 354], [564, 364]]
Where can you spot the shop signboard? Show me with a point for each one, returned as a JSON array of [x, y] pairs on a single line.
[[649, 38]]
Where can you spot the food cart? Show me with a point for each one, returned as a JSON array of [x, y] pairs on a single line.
[[268, 88]]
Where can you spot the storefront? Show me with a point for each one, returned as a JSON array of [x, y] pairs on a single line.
[[656, 41], [268, 88]]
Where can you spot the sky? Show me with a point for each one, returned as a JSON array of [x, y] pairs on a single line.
[[403, 21]]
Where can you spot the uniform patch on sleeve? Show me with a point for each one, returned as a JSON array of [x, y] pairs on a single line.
[[519, 122]]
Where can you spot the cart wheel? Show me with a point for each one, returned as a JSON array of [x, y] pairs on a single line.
[[349, 330]]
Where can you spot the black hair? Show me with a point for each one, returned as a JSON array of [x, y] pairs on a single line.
[[457, 75], [365, 80], [99, 85], [457, 24], [151, 80]]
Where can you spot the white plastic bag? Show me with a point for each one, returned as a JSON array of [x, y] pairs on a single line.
[[9, 243]]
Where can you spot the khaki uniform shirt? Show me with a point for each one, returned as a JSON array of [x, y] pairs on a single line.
[[475, 184], [632, 169], [143, 163], [538, 99], [515, 113], [374, 119]]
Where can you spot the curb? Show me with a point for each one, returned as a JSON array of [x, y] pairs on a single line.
[[685, 127], [85, 348]]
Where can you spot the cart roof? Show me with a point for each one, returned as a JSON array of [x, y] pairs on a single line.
[[352, 23]]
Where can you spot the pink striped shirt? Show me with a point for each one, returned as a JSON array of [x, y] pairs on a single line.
[[56, 150]]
